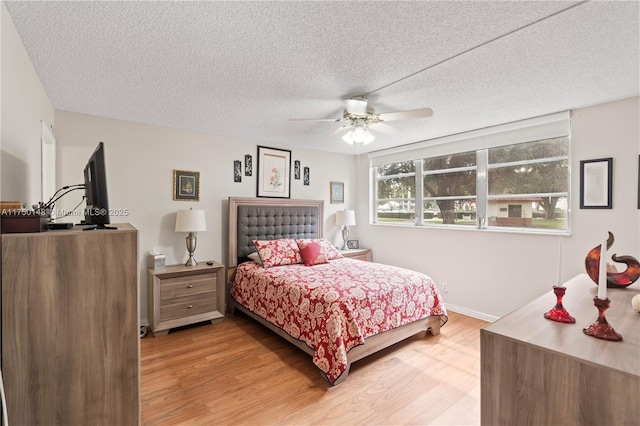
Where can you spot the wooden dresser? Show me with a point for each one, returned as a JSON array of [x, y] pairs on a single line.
[[70, 333], [181, 295], [539, 372]]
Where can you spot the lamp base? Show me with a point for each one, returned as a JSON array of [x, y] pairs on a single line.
[[192, 240], [345, 237]]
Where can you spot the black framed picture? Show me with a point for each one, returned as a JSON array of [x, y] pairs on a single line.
[[353, 244], [237, 171], [186, 185], [307, 178], [248, 165], [296, 169], [596, 184], [274, 173]]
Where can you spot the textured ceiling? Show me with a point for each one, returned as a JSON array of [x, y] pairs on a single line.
[[242, 69]]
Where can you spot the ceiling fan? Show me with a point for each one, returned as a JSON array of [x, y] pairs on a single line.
[[359, 117]]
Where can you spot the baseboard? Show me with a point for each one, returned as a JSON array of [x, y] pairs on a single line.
[[470, 312]]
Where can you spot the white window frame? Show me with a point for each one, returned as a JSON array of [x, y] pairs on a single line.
[[539, 128]]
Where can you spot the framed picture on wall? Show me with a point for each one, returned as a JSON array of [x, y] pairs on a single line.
[[237, 171], [296, 169], [337, 192], [596, 178], [274, 173], [248, 165], [186, 185], [306, 179]]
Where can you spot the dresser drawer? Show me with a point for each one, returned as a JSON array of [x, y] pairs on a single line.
[[186, 286], [186, 306]]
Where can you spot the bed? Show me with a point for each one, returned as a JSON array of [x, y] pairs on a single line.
[[336, 309]]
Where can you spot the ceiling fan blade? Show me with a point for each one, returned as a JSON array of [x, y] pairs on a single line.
[[384, 129], [337, 131], [405, 115], [315, 119], [355, 106]]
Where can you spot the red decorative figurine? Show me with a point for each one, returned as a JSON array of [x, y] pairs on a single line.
[[559, 313]]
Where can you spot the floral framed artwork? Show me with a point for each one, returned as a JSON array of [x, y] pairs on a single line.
[[337, 192], [186, 185], [274, 173], [596, 183]]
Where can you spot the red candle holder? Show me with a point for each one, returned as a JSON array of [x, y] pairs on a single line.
[[559, 313], [601, 329]]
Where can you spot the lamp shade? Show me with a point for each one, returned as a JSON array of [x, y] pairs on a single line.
[[345, 217], [190, 221]]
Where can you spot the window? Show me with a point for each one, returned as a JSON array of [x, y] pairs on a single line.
[[449, 184], [496, 184], [533, 179], [396, 189]]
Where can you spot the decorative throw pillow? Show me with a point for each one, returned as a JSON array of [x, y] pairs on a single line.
[[311, 253], [326, 248], [278, 252], [255, 257]]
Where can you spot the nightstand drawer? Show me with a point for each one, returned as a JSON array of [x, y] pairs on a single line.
[[187, 286], [181, 307]]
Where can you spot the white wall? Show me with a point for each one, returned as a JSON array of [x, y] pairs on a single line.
[[140, 160], [490, 274], [24, 105]]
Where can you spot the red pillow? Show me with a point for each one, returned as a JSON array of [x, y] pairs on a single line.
[[311, 254], [326, 248], [278, 252]]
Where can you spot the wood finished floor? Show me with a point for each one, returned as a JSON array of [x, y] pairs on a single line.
[[238, 372]]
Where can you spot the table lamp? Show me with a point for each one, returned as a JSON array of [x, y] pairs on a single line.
[[345, 218], [191, 221]]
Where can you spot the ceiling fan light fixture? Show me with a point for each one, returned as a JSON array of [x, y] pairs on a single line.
[[348, 138], [359, 134], [368, 138]]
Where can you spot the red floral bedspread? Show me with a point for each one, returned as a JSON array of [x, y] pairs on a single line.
[[335, 306]]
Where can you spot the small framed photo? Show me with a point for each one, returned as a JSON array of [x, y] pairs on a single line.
[[274, 173], [337, 192], [186, 185], [237, 171], [248, 165], [296, 169], [353, 244], [596, 178], [306, 176]]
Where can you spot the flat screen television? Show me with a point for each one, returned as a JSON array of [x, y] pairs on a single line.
[[96, 212]]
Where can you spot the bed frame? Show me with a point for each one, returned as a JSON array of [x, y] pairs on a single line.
[[272, 218]]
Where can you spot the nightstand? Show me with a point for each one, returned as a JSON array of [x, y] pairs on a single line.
[[180, 295], [359, 254]]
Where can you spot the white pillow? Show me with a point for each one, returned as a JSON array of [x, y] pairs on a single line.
[[255, 257]]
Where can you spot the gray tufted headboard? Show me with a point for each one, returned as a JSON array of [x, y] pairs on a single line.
[[269, 219]]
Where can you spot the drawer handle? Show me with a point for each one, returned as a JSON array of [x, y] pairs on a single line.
[[189, 306], [190, 286]]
